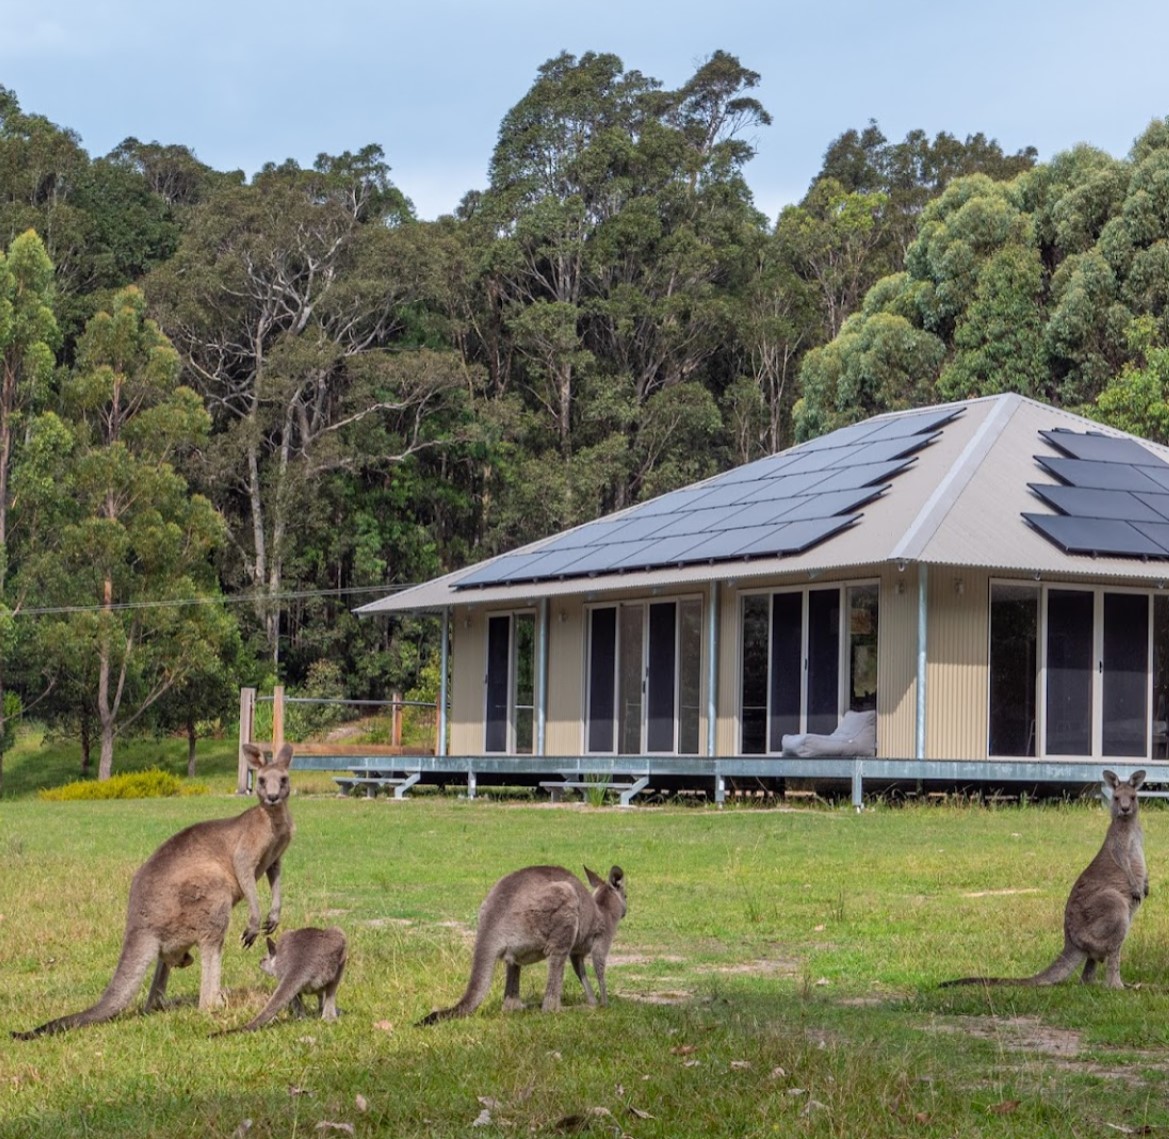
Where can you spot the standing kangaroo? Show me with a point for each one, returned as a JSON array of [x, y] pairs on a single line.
[[538, 912], [183, 894], [1103, 901], [308, 960]]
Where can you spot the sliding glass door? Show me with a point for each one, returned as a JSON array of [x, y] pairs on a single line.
[[808, 655], [510, 683], [644, 679], [1084, 657]]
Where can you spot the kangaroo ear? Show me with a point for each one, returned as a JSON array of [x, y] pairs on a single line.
[[594, 878], [617, 878], [1110, 777], [284, 758], [1136, 779], [255, 756]]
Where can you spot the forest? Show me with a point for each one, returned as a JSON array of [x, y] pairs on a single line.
[[232, 409]]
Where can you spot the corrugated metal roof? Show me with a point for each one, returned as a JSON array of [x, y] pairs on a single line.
[[960, 503]]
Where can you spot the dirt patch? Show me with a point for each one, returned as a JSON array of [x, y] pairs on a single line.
[[1017, 1034], [645, 959], [763, 967], [1001, 893], [661, 997]]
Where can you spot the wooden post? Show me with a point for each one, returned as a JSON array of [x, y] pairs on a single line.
[[277, 718], [247, 725], [396, 720]]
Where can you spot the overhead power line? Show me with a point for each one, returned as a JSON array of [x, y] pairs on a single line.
[[210, 599]]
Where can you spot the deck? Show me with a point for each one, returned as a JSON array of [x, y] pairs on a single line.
[[634, 775]]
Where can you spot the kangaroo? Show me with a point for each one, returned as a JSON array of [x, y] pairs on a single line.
[[538, 912], [308, 960], [183, 894], [1103, 900]]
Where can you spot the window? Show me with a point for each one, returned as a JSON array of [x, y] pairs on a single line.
[[808, 655], [644, 678], [510, 683]]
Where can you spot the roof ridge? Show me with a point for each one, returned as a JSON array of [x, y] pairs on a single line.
[[933, 512]]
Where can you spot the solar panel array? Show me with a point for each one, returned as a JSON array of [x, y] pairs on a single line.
[[1112, 497], [774, 507]]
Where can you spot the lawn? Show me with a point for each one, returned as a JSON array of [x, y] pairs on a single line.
[[776, 975]]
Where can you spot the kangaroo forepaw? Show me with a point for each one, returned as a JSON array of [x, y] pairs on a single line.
[[248, 938], [271, 922]]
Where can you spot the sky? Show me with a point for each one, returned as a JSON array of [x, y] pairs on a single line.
[[252, 81]]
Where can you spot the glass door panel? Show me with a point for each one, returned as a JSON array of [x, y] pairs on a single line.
[[787, 655], [689, 674], [1014, 642], [630, 679], [661, 677], [524, 691], [1125, 675], [498, 677], [1070, 627], [823, 660], [602, 671], [756, 611]]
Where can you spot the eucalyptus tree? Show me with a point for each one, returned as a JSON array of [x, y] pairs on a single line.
[[612, 238], [294, 303], [28, 337], [125, 572], [911, 173]]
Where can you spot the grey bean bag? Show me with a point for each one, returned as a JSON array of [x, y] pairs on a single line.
[[856, 734]]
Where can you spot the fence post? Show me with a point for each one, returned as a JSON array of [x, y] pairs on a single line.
[[277, 718], [396, 719], [247, 724]]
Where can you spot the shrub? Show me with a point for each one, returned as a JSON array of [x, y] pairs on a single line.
[[150, 784]]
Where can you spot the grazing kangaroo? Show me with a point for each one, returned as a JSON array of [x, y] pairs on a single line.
[[308, 960], [538, 912], [1103, 901], [183, 894]]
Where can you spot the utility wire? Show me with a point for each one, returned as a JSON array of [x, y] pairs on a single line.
[[211, 599]]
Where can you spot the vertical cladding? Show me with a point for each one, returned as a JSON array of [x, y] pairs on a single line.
[[566, 676], [729, 647], [467, 671], [897, 664], [956, 686]]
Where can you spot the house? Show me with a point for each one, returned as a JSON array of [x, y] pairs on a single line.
[[987, 576]]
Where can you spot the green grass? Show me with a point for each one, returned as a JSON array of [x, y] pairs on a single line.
[[776, 975]]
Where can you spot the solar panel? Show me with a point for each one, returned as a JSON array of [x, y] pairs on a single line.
[[1111, 496], [866, 474], [1102, 476], [1095, 536], [1157, 532], [796, 537], [1159, 503], [833, 502], [1098, 448], [1159, 475], [787, 486], [914, 424], [1087, 502], [777, 506]]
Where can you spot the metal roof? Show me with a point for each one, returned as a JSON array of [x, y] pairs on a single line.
[[975, 484]]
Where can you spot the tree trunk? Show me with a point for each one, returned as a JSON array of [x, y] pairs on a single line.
[[86, 747], [191, 747], [105, 763]]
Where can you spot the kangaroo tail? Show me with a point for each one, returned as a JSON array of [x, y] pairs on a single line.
[[139, 952], [1059, 970], [482, 969]]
